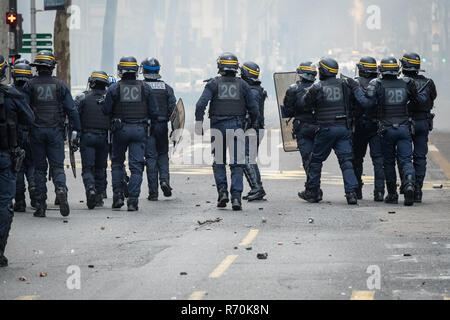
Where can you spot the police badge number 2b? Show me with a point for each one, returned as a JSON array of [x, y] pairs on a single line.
[[130, 93]]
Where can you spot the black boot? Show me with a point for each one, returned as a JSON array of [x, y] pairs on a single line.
[[418, 196], [359, 193], [91, 197], [236, 204], [20, 205], [118, 201], [61, 195], [99, 200], [223, 198], [409, 190], [251, 177], [3, 260], [133, 204], [259, 195], [33, 196], [352, 198], [167, 190], [312, 196], [41, 207], [392, 197], [378, 196], [152, 197]]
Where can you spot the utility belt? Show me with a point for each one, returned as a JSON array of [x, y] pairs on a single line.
[[422, 115], [95, 131], [340, 120], [117, 124], [384, 125]]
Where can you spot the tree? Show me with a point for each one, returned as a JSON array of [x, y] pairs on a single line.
[[62, 43]]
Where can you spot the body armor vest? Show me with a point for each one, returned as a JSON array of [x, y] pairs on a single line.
[[301, 115], [394, 109], [92, 116], [421, 111], [360, 112], [8, 126], [332, 109], [46, 102], [229, 100], [159, 89], [131, 105]]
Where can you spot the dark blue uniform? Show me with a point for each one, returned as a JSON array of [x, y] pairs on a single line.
[[157, 148], [12, 105], [305, 126], [366, 134], [230, 99], [390, 96], [331, 100], [133, 103], [51, 102], [27, 170], [94, 147], [423, 124]]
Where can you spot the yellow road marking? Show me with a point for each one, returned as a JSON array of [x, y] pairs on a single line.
[[197, 295], [249, 238], [446, 298], [441, 161], [27, 298], [223, 266], [363, 295]]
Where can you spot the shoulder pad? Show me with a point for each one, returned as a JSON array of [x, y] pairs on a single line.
[[81, 97], [293, 86], [13, 93], [407, 79]]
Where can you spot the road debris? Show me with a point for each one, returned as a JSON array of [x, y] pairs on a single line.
[[43, 274], [249, 248], [310, 220], [392, 212], [102, 228], [382, 220], [183, 274], [262, 256], [22, 278], [280, 243], [264, 220], [407, 255], [202, 223], [91, 266]]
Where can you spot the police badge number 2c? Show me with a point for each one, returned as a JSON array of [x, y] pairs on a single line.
[[229, 91], [130, 93]]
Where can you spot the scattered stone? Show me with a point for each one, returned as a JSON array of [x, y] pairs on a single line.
[[280, 214], [236, 248], [91, 266], [382, 220], [297, 243], [183, 274], [280, 243], [264, 220], [262, 256], [438, 186], [197, 205], [392, 212], [102, 228], [42, 274], [407, 255], [249, 248], [81, 201], [310, 220], [65, 221], [23, 279], [208, 201]]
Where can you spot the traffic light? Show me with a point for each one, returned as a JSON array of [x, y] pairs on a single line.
[[11, 18]]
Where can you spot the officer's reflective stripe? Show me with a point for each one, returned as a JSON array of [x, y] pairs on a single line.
[[151, 68], [256, 73], [128, 64], [369, 65], [22, 71], [329, 69], [413, 61], [2, 64], [228, 62], [42, 57], [307, 68], [389, 65], [99, 75]]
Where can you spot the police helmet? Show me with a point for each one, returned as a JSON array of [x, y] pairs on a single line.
[[21, 72], [21, 61], [367, 67], [127, 65], [411, 62], [150, 69], [328, 68], [44, 58], [3, 66], [389, 66], [307, 71], [250, 71], [227, 62], [98, 77]]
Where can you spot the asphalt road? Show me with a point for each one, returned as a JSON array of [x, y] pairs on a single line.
[[322, 251]]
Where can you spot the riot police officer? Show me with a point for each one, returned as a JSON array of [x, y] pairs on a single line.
[[391, 96], [21, 74], [250, 73], [51, 102], [12, 106], [330, 98], [305, 125], [366, 133], [230, 99], [132, 105], [157, 148], [422, 117], [94, 146]]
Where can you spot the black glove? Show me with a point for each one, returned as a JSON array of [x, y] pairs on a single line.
[[353, 84]]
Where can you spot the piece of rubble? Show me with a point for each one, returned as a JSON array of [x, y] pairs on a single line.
[[22, 278], [43, 274], [310, 220], [262, 256], [202, 223]]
